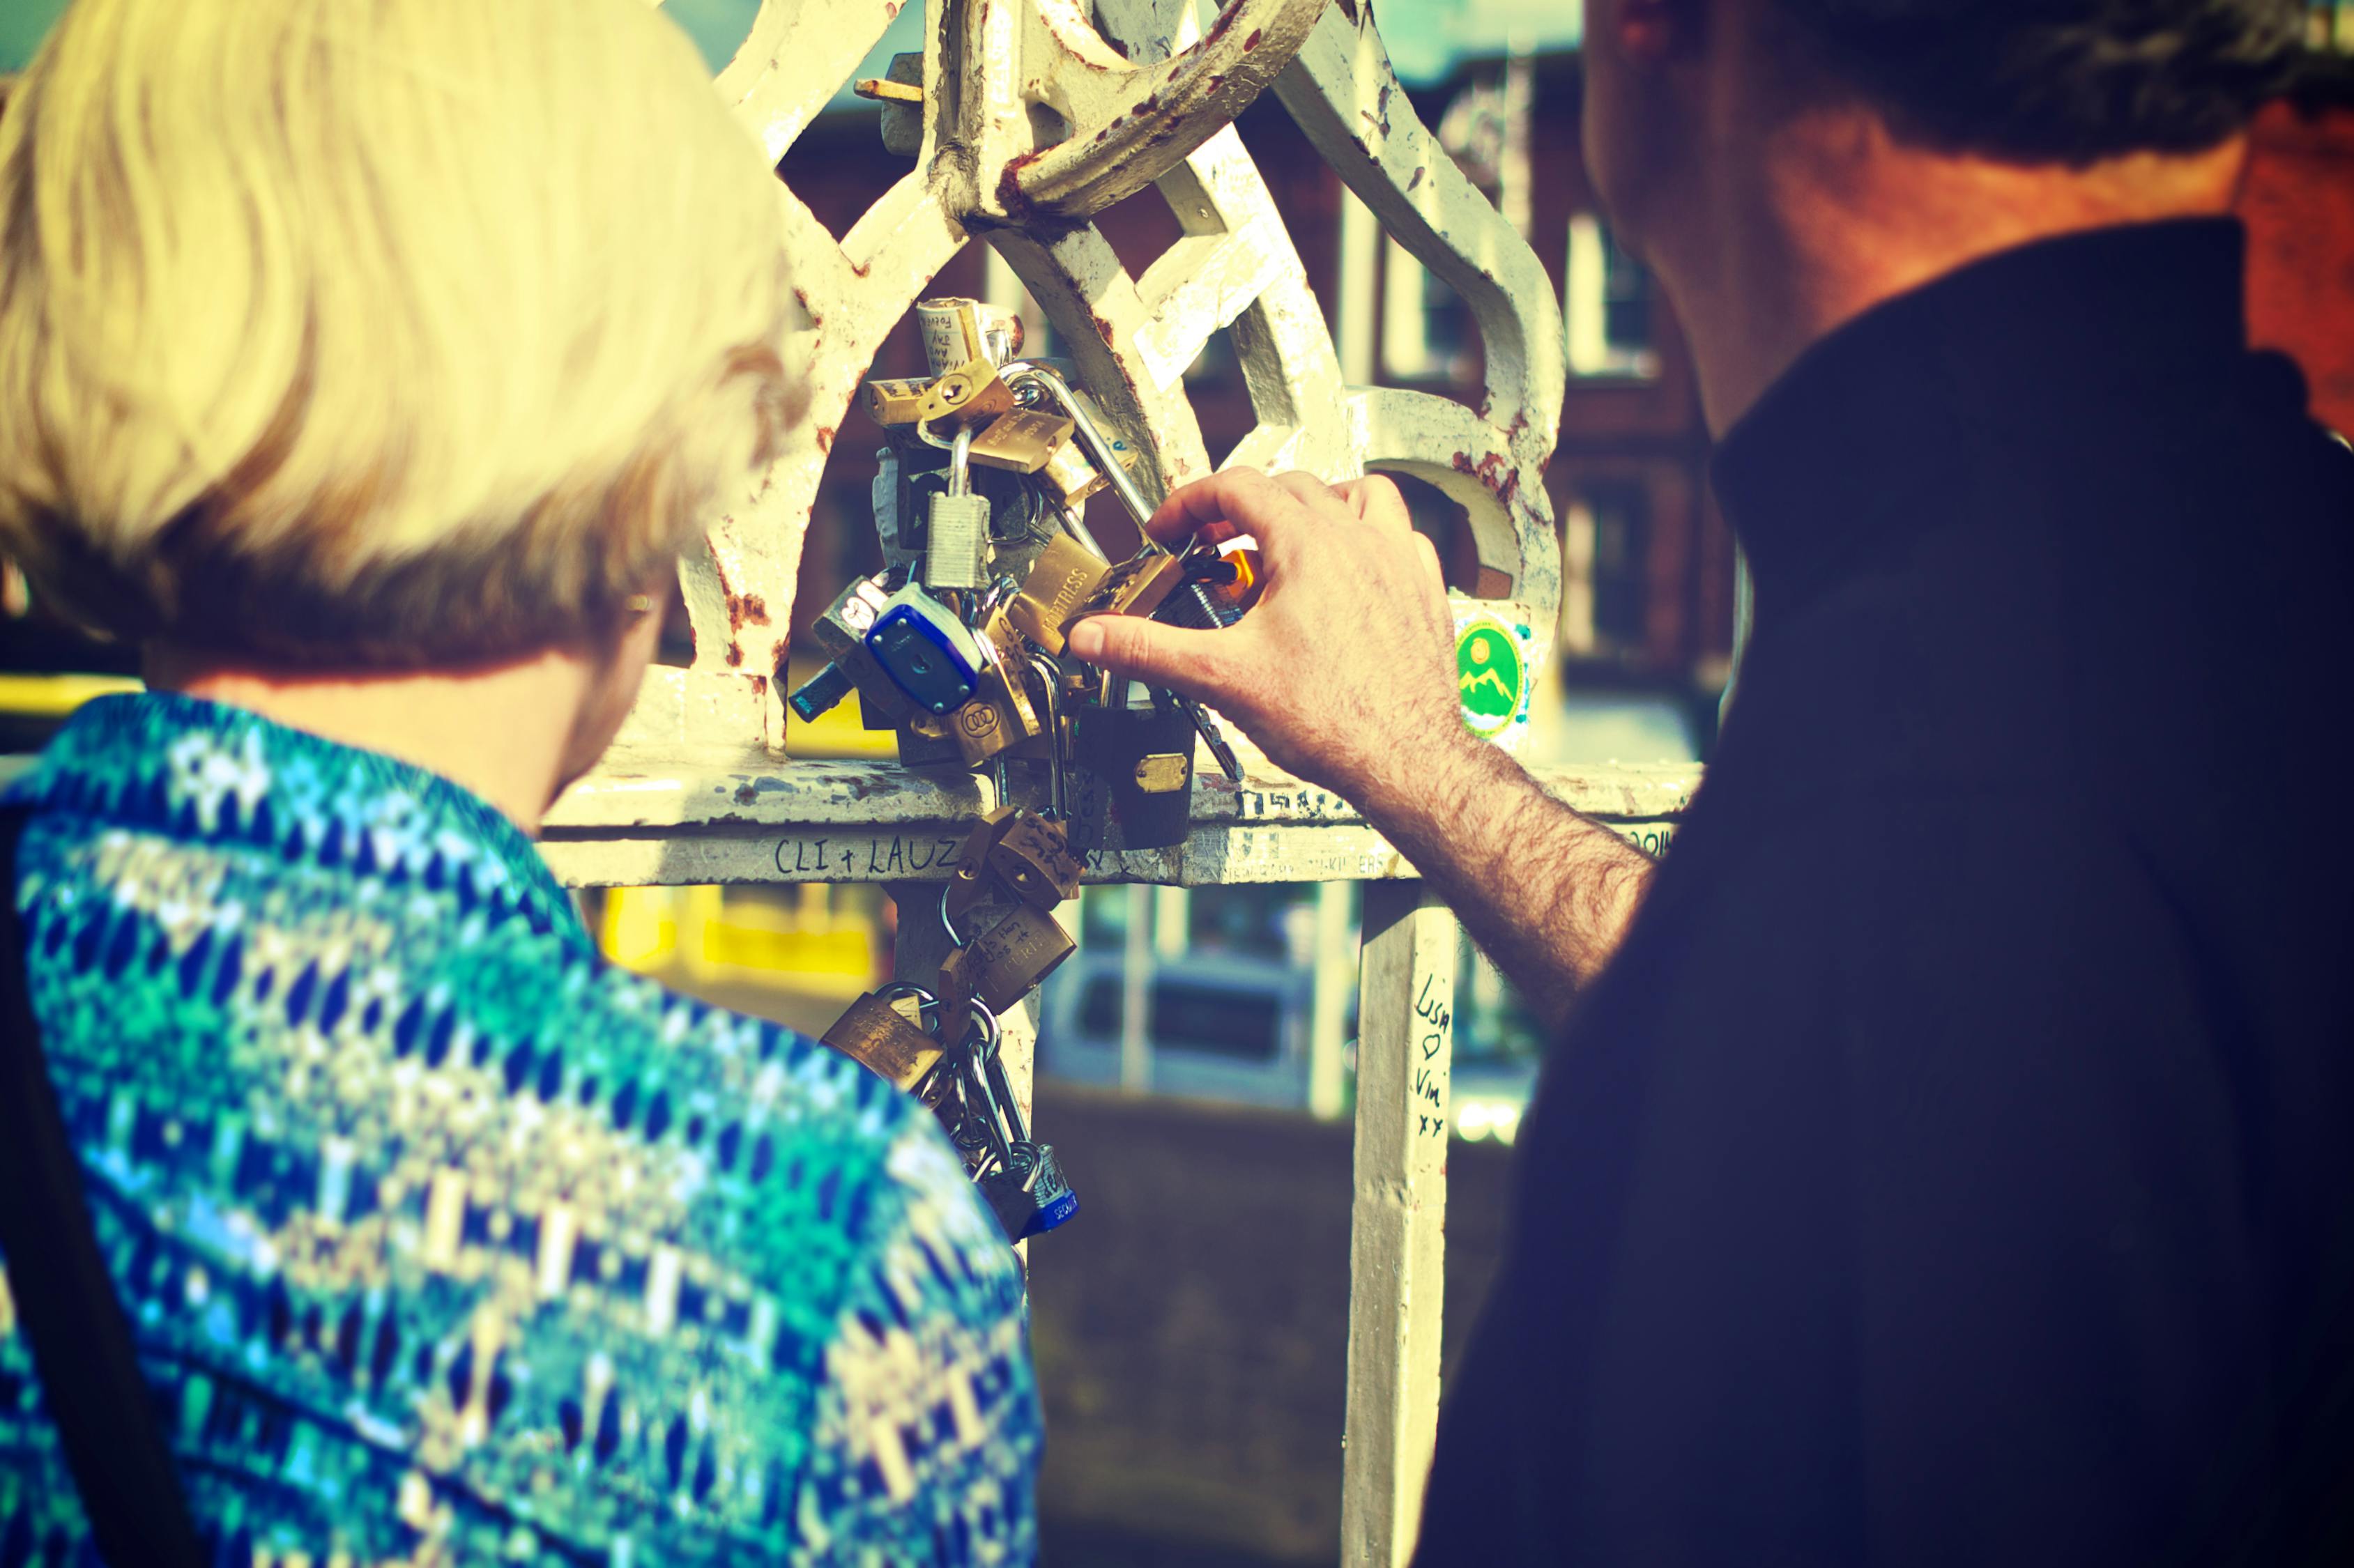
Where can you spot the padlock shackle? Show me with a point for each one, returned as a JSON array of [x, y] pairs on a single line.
[[1020, 373], [1050, 673]]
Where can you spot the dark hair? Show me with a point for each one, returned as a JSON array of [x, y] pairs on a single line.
[[2060, 81]]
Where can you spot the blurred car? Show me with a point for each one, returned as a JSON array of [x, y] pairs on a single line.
[[1224, 1027]]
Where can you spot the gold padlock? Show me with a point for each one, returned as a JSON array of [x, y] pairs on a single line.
[[981, 729], [895, 402], [970, 880], [970, 394], [1135, 587], [1022, 440], [1033, 859], [1064, 577], [877, 1034], [1000, 966]]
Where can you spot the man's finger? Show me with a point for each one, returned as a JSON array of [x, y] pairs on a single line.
[[1243, 497], [1177, 657]]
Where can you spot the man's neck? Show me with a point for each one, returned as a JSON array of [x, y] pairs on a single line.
[[502, 731], [1833, 217]]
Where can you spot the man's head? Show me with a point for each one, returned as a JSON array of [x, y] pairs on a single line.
[[1783, 164], [377, 332]]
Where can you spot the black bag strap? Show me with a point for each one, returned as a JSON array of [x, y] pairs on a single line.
[[81, 1341]]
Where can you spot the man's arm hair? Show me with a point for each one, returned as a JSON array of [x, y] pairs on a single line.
[[1548, 894]]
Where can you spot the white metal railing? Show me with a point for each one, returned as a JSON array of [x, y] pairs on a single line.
[[1033, 122]]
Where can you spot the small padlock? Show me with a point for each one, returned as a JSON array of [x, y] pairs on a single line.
[[819, 692], [956, 537], [1002, 965], [981, 729], [1022, 440], [970, 882], [957, 331], [1063, 577], [1127, 748], [899, 401], [844, 623], [876, 1034], [1052, 1200], [1032, 859], [968, 396], [931, 655]]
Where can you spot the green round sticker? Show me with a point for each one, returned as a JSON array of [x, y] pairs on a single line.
[[1489, 671]]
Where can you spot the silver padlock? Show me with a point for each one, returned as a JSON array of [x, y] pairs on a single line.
[[956, 541]]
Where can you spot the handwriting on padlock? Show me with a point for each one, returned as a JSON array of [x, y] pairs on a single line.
[[1002, 965]]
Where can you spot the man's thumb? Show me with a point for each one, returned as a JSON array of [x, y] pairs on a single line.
[[1145, 649]]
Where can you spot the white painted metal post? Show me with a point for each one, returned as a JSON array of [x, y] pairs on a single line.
[[1397, 1222]]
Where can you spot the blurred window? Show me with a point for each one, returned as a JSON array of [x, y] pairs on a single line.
[[1214, 1020], [1099, 1009], [1605, 306]]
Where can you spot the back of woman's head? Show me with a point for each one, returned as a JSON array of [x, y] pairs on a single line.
[[375, 332]]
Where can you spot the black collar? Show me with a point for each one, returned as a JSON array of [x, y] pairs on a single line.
[[2025, 358]]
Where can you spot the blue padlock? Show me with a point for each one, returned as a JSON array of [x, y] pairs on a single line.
[[926, 650], [1056, 1202]]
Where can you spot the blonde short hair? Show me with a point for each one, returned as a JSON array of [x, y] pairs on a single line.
[[376, 330]]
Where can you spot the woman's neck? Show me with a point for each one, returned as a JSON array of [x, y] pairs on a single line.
[[503, 731]]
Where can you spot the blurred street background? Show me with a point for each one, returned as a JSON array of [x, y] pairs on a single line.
[[1195, 1056]]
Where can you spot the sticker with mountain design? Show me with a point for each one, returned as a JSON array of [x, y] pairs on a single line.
[[1491, 675]]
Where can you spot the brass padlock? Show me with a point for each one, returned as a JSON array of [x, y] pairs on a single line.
[[1073, 476], [1022, 440], [896, 402], [1135, 587], [970, 880], [969, 396], [1063, 577], [1033, 859], [981, 729], [1002, 966], [877, 1034]]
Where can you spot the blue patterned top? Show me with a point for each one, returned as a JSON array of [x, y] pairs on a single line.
[[447, 1241]]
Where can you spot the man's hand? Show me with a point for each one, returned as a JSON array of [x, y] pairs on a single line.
[[1343, 670], [1343, 674]]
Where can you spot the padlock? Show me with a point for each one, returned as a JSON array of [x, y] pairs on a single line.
[[819, 692], [878, 1035], [958, 331], [1022, 440], [981, 729], [1124, 746], [924, 741], [1063, 577], [1000, 966], [931, 655], [1051, 1198], [967, 396], [844, 623], [899, 401], [956, 538], [1050, 1193], [1032, 859], [895, 520], [1135, 587], [1070, 476], [968, 882]]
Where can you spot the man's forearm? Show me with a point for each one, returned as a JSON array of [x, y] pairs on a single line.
[[1548, 894]]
